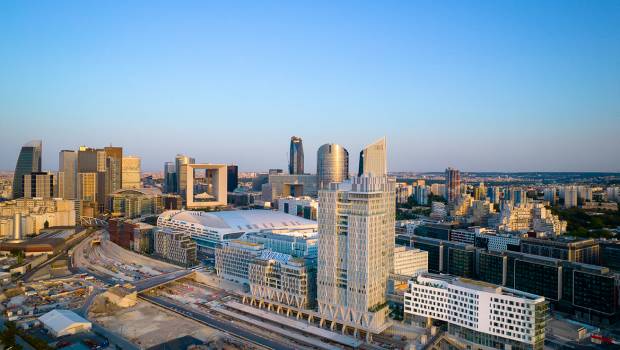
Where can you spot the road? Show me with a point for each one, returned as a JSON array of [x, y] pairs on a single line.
[[114, 338], [224, 326], [64, 255], [152, 282]]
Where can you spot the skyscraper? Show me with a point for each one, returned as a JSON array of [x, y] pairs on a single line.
[[39, 185], [356, 247], [112, 165], [88, 161], [296, 161], [91, 179], [67, 174], [181, 171], [29, 161], [372, 159], [170, 177], [87, 187], [131, 172], [332, 164], [453, 184], [233, 177]]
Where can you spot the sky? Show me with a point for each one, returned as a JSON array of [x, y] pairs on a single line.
[[481, 86]]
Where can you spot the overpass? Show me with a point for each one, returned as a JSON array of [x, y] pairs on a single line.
[[156, 281]]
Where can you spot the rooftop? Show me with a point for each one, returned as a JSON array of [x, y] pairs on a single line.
[[242, 220], [149, 191], [59, 320]]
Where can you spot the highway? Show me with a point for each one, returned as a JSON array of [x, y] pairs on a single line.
[[224, 326]]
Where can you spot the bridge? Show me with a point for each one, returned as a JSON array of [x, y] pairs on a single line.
[[156, 281]]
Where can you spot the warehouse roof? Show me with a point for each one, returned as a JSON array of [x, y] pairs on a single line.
[[59, 320]]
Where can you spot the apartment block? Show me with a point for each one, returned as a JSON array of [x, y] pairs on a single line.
[[478, 312]]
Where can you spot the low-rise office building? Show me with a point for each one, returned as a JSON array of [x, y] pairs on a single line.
[[409, 262], [478, 312], [566, 248], [304, 207], [588, 291], [455, 258], [289, 185]]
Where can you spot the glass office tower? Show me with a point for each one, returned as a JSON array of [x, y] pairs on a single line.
[[332, 164], [29, 161], [296, 161]]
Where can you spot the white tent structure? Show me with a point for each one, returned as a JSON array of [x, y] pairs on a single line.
[[64, 322]]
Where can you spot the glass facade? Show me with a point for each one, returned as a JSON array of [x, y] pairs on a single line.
[[461, 262], [491, 268], [332, 164], [29, 161], [296, 161], [536, 278]]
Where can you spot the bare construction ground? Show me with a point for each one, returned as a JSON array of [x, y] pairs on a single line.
[[147, 325]]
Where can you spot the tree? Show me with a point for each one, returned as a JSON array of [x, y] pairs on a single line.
[[8, 336]]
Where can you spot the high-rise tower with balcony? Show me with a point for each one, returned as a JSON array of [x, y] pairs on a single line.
[[356, 248]]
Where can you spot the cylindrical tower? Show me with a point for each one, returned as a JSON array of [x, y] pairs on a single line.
[[17, 227], [332, 164]]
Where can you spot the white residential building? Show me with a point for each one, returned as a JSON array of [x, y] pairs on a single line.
[[613, 194], [409, 261], [438, 211], [284, 279], [569, 193], [175, 246], [403, 192], [492, 315], [438, 189], [233, 259], [528, 217]]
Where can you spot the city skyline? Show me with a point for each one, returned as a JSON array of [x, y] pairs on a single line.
[[310, 175], [476, 86]]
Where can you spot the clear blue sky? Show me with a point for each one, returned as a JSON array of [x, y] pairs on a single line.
[[495, 85]]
